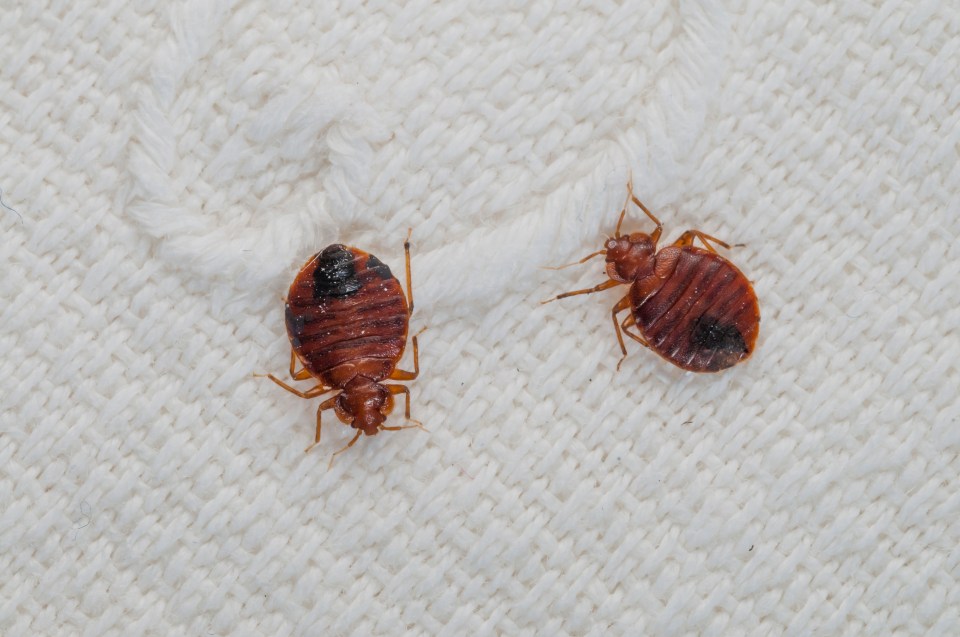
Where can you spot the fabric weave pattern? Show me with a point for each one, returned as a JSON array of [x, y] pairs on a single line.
[[172, 164]]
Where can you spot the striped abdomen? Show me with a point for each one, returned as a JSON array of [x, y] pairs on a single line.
[[702, 316], [347, 316]]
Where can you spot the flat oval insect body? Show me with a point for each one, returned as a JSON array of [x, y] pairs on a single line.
[[689, 305], [347, 320], [346, 316], [696, 310]]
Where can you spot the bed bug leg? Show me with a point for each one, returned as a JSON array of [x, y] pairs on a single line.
[[416, 425], [327, 404], [349, 444], [655, 235], [402, 389], [399, 374], [406, 251], [686, 239], [310, 393], [567, 265], [606, 285], [622, 304], [623, 327], [629, 322], [303, 374]]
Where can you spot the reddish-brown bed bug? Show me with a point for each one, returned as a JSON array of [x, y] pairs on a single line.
[[347, 319], [691, 306]]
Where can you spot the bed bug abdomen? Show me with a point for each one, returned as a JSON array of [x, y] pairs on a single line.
[[347, 315], [703, 316]]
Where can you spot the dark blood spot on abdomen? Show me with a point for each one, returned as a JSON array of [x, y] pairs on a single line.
[[378, 267], [709, 334], [295, 326], [335, 274]]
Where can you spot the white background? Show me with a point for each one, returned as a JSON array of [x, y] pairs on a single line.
[[172, 166]]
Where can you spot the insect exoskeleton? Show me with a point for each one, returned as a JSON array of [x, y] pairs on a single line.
[[688, 304], [347, 319]]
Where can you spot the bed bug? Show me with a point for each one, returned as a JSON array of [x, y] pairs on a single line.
[[347, 319], [690, 305]]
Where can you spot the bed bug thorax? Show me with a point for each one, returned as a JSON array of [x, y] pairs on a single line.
[[630, 258], [688, 304]]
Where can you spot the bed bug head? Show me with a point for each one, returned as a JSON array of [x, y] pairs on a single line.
[[630, 257], [364, 404]]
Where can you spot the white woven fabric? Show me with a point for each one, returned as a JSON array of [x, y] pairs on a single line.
[[171, 165]]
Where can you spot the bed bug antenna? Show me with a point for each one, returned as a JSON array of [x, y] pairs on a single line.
[[567, 265]]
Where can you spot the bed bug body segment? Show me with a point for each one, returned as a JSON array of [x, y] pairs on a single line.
[[689, 305], [698, 311]]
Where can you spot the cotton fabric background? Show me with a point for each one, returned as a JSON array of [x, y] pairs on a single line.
[[170, 165]]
